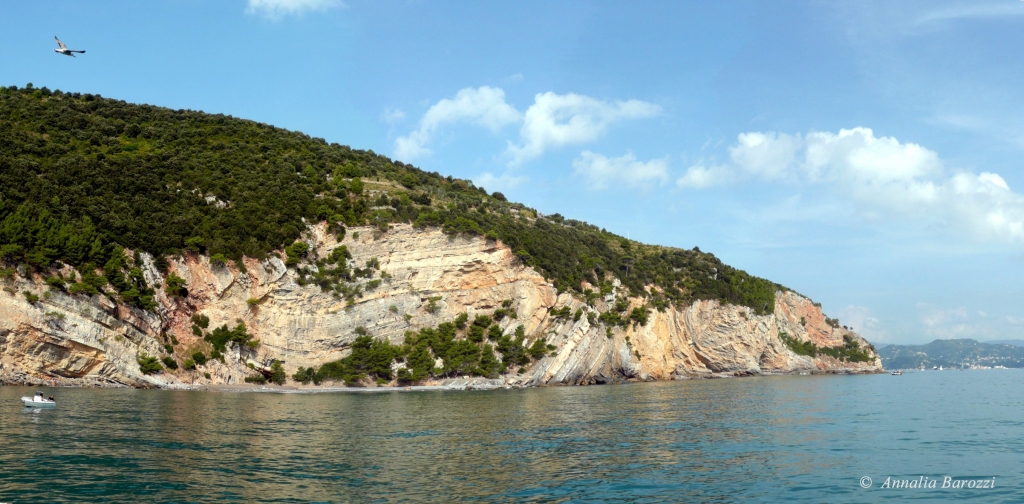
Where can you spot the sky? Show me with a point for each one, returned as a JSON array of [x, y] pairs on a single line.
[[865, 154]]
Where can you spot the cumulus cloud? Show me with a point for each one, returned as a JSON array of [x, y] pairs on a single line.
[[501, 182], [556, 120], [881, 174], [553, 120], [277, 9], [702, 177], [484, 106], [601, 171]]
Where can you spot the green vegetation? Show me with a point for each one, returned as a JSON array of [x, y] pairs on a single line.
[[463, 351], [83, 177], [175, 286], [221, 336], [200, 320], [199, 358], [277, 374], [148, 364], [798, 347], [850, 351], [170, 362]]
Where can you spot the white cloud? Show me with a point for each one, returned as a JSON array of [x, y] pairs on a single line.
[[973, 11], [949, 323], [601, 171], [553, 120], [392, 115], [766, 155], [861, 320], [702, 177], [1010, 319], [556, 120], [277, 9], [932, 317], [484, 106], [503, 182], [882, 175]]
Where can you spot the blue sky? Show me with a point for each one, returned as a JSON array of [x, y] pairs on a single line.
[[866, 154]]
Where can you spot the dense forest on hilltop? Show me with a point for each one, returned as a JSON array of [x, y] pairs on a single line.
[[83, 177]]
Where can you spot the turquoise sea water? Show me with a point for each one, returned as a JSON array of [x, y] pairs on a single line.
[[793, 438]]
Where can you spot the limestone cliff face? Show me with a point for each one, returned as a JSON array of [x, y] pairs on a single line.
[[66, 339]]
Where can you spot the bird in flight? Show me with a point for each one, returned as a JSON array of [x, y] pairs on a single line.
[[64, 49]]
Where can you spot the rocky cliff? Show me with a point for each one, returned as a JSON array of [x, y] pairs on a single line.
[[424, 278]]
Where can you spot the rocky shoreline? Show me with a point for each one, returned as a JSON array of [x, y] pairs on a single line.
[[474, 383]]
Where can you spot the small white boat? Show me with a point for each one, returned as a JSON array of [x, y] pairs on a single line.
[[898, 372], [38, 401]]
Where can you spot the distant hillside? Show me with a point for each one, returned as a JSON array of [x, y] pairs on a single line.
[[951, 353], [1014, 342], [82, 177]]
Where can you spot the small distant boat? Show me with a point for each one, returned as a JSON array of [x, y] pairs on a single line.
[[38, 401], [898, 372]]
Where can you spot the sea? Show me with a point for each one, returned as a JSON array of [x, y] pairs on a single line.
[[928, 436]]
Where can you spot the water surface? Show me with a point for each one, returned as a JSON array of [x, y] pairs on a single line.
[[798, 438]]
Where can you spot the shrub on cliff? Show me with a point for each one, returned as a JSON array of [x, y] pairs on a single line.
[[170, 363], [277, 374], [148, 364], [539, 348], [201, 321], [798, 347], [369, 357], [175, 286], [305, 375], [850, 351], [221, 336]]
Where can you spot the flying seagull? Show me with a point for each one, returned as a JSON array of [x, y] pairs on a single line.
[[64, 49]]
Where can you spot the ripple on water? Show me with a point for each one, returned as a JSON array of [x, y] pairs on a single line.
[[795, 438]]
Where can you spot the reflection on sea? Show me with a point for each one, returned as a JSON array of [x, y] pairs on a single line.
[[810, 438]]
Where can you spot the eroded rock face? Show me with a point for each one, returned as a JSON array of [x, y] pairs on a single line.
[[64, 339]]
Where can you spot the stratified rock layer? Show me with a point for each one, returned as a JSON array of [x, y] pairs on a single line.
[[76, 340]]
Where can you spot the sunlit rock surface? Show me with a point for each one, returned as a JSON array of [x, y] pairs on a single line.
[[78, 340]]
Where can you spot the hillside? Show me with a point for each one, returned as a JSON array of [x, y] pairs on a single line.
[[952, 353], [81, 175], [232, 249]]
